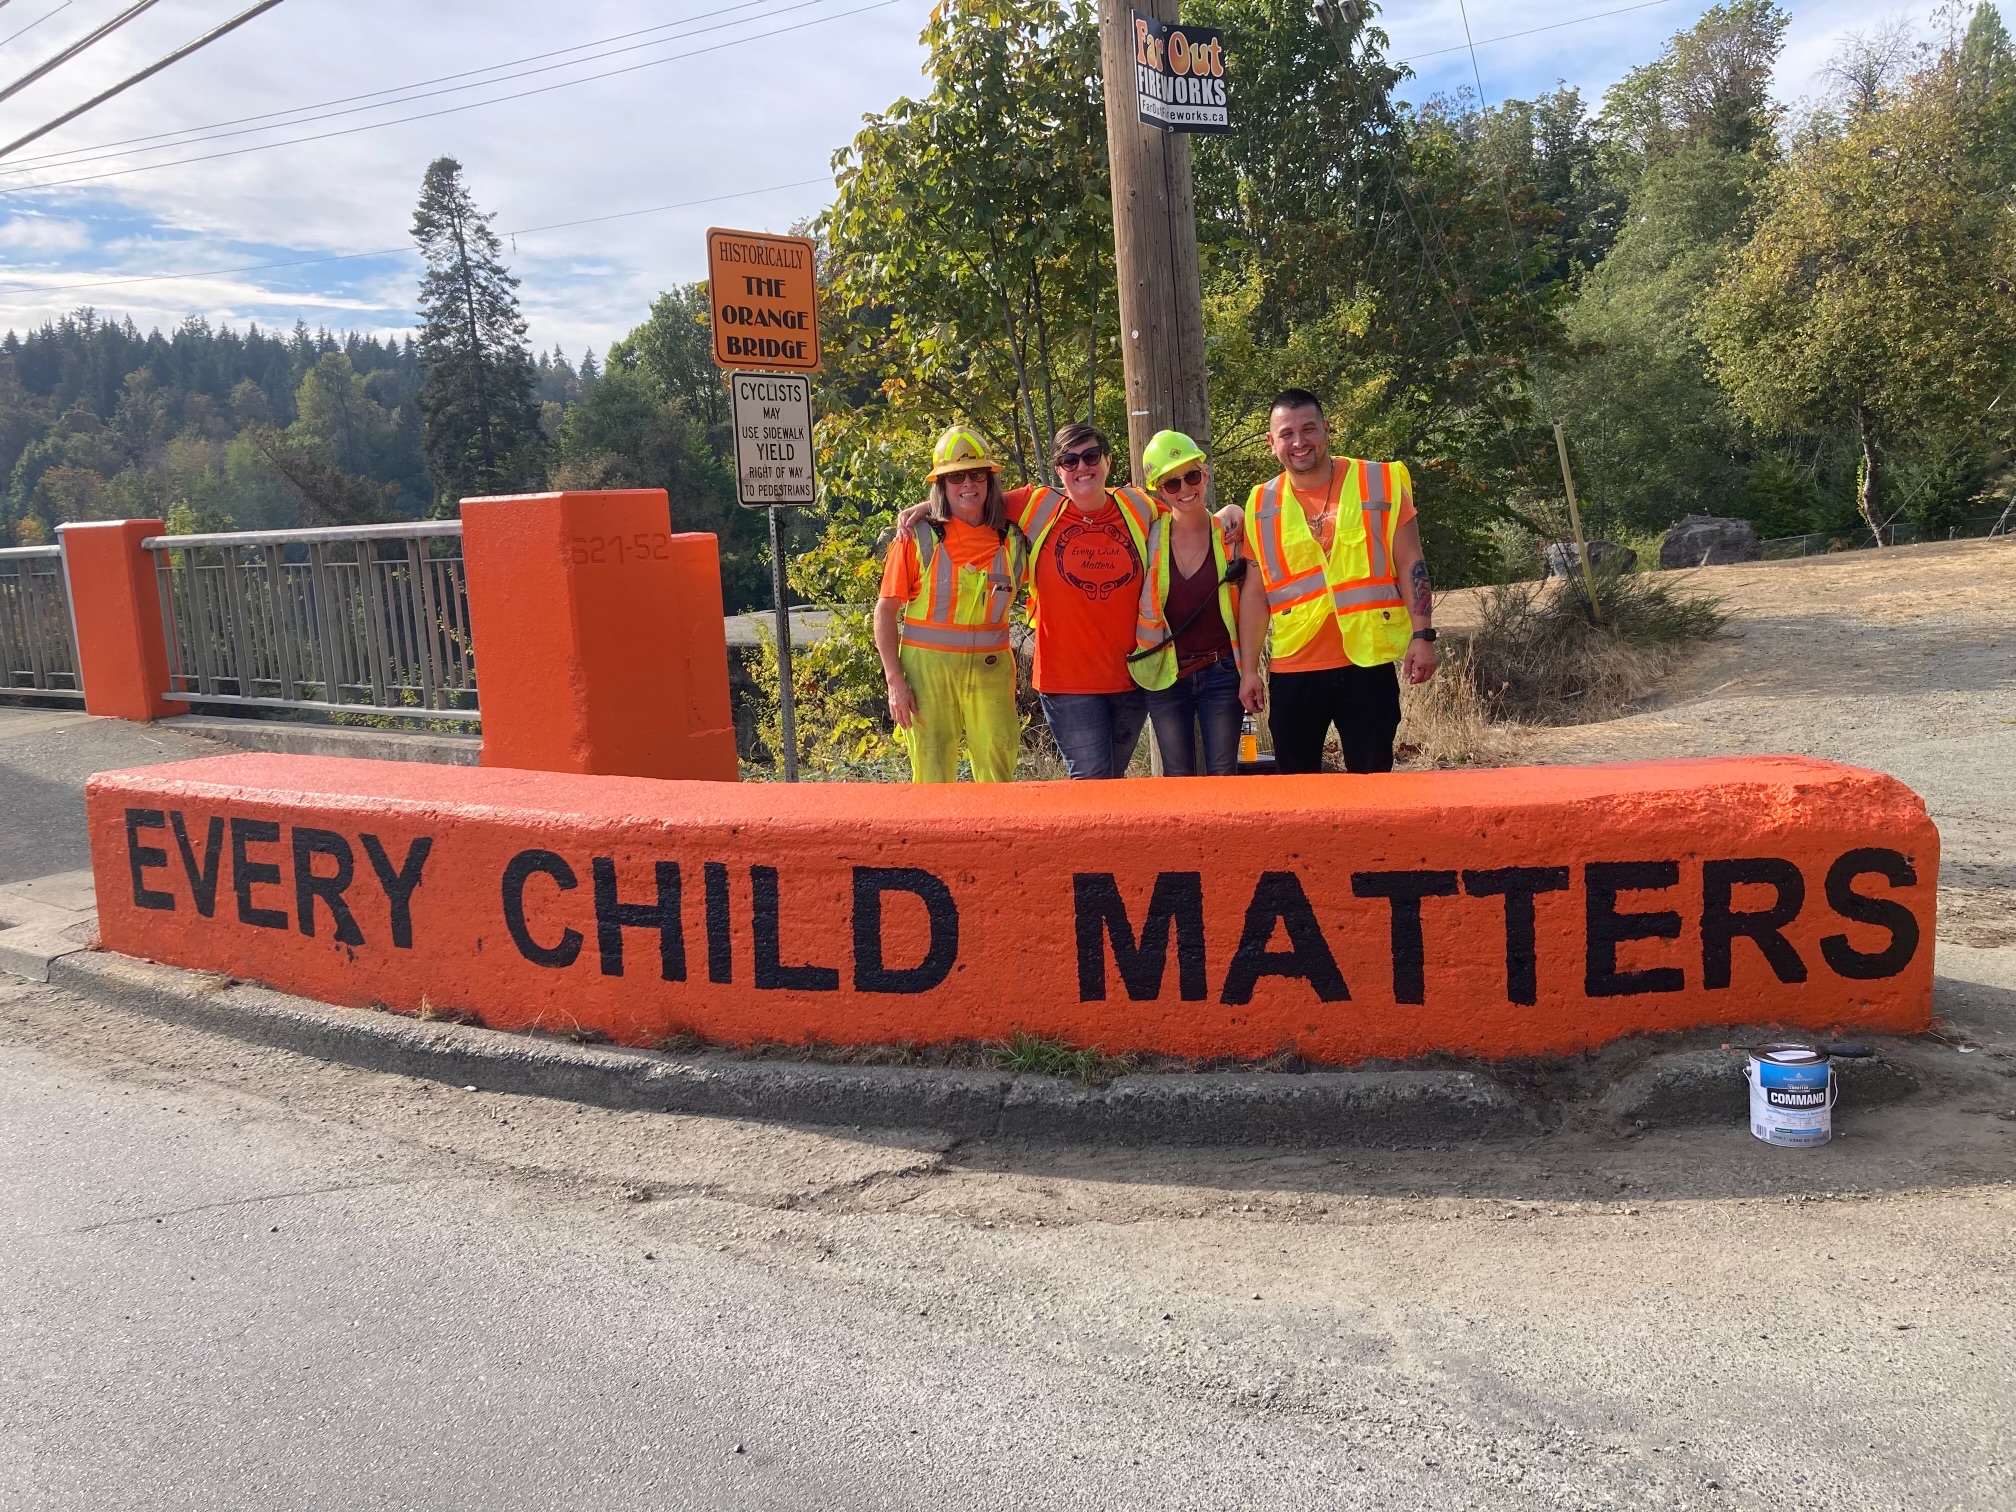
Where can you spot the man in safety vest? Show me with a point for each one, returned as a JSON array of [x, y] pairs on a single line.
[[1343, 594], [941, 619]]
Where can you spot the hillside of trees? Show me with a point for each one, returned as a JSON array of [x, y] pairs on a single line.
[[1799, 314]]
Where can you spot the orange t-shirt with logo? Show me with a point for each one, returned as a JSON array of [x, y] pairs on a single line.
[[970, 545], [1087, 576], [1326, 647]]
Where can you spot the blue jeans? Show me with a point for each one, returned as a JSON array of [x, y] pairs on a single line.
[[1097, 732], [1208, 699]]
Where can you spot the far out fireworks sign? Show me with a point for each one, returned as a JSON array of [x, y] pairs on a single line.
[[1179, 76]]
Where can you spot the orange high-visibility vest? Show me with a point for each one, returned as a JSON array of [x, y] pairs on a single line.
[[1151, 625], [1357, 582], [965, 617]]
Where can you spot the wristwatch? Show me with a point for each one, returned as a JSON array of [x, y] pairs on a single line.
[[1426, 635]]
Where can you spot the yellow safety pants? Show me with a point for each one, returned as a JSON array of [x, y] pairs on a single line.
[[963, 699]]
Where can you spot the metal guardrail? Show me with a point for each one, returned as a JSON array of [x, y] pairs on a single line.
[[361, 619], [38, 642]]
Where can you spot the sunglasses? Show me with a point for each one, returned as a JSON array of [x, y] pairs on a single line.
[[1191, 479], [974, 475], [1068, 460]]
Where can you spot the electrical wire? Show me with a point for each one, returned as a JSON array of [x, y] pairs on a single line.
[[275, 116], [1532, 31], [305, 262], [429, 115], [40, 70], [145, 74], [74, 161], [37, 22]]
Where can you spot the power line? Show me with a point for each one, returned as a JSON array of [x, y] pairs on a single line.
[[42, 69], [402, 89], [194, 136], [429, 115], [1532, 31], [305, 262], [37, 22], [146, 73]]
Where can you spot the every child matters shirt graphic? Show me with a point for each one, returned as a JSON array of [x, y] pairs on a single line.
[[1088, 581]]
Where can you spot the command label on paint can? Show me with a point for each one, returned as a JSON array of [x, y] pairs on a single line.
[[1791, 1095]]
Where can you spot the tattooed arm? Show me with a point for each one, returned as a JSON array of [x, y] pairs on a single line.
[[1419, 593]]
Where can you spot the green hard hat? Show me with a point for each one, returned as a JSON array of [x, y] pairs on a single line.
[[1165, 452]]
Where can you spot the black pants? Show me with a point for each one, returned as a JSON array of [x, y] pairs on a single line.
[[1363, 702]]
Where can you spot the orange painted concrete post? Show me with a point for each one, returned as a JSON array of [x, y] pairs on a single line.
[[600, 647], [115, 597]]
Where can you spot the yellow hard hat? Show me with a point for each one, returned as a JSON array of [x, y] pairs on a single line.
[[1166, 451], [960, 449]]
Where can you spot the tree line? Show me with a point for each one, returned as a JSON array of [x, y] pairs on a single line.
[[1796, 315]]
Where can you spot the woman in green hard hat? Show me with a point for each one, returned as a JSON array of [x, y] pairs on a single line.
[[1186, 630], [941, 621]]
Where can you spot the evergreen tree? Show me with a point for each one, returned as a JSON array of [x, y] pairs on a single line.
[[482, 432]]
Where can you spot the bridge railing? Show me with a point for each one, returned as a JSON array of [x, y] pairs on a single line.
[[38, 647], [363, 619]]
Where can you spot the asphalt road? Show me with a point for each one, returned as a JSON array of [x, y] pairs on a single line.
[[45, 755]]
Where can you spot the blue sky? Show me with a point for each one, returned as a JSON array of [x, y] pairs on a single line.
[[721, 99]]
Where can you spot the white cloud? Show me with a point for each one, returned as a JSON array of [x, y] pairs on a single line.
[[38, 233]]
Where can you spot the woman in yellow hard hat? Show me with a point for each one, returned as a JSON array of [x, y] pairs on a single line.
[[941, 622], [1186, 629]]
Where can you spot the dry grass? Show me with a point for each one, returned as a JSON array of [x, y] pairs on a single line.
[[1540, 656]]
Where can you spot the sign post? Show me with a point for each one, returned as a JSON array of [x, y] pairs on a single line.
[[1163, 81], [764, 300]]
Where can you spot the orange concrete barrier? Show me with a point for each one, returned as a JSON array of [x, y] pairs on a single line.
[[115, 597], [1494, 913], [600, 646]]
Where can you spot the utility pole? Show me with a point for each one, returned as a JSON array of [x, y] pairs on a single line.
[[1154, 247]]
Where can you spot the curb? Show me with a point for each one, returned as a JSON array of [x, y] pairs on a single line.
[[1387, 1108], [292, 738], [1392, 1108]]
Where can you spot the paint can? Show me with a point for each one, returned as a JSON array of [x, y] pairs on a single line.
[[1792, 1091]]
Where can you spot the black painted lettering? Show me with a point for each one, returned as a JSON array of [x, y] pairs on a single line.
[[399, 885], [1518, 886], [140, 857], [1722, 924], [308, 844], [613, 916], [1176, 903], [1278, 898], [720, 943], [1881, 913], [1405, 890], [871, 973], [1607, 928], [772, 975], [517, 872], [202, 879], [247, 874]]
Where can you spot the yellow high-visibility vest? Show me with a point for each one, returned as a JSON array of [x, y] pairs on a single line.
[[964, 610], [1357, 582], [1151, 625]]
